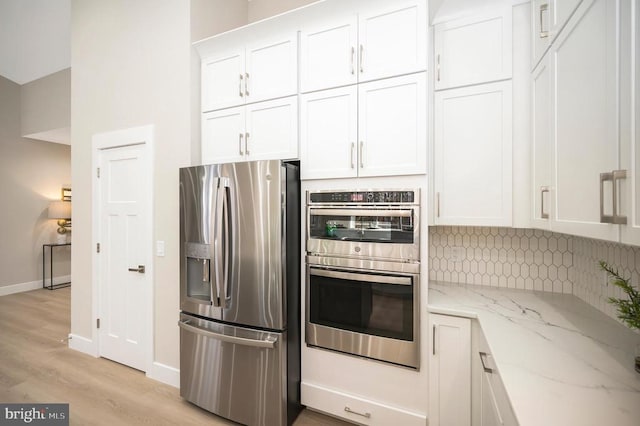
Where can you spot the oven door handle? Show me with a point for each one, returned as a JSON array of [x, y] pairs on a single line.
[[354, 276], [360, 212]]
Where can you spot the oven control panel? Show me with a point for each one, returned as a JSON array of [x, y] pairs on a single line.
[[363, 197]]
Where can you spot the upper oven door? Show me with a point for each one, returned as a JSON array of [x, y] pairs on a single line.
[[364, 232]]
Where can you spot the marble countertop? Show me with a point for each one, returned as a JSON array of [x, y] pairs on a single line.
[[562, 361]]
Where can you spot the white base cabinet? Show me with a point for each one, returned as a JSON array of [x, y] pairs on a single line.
[[449, 371], [262, 131], [357, 409], [490, 402], [473, 155]]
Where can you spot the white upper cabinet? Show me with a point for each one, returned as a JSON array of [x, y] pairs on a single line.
[[473, 155], [372, 129], [392, 126], [548, 18], [329, 133], [328, 55], [542, 147], [254, 71], [629, 191], [473, 50], [365, 46], [261, 131], [583, 60]]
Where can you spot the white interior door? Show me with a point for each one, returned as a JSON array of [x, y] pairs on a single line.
[[124, 254]]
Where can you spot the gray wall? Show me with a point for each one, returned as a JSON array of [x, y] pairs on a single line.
[[261, 9], [46, 103], [31, 175]]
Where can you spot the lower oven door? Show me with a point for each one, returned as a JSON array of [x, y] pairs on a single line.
[[371, 314], [235, 372]]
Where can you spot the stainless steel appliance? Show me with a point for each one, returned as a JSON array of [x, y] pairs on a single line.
[[363, 274], [239, 290]]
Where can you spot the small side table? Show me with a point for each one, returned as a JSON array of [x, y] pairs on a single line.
[[51, 286]]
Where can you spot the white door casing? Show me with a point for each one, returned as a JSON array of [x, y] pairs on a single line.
[[122, 226]]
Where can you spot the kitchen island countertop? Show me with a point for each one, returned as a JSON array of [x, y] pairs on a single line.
[[562, 361]]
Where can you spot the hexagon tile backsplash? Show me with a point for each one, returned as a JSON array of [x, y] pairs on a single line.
[[530, 259]]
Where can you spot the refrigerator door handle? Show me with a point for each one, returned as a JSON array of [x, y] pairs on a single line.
[[269, 342], [226, 213], [218, 249]]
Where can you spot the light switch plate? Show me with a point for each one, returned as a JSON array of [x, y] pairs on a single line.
[[160, 248]]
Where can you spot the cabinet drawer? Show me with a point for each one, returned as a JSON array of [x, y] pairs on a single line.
[[356, 409]]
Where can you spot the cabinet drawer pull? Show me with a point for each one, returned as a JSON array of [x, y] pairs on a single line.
[[246, 143], [246, 84], [543, 8], [240, 86], [543, 190], [240, 136], [361, 59], [349, 410], [483, 357], [361, 154]]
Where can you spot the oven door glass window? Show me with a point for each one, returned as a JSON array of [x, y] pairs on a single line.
[[375, 304], [380, 226]]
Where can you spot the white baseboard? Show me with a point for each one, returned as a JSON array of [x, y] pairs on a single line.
[[165, 374], [31, 285], [82, 344]]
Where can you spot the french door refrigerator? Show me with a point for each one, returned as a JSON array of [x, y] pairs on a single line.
[[240, 290]]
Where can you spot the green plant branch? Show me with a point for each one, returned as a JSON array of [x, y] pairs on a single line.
[[628, 310]]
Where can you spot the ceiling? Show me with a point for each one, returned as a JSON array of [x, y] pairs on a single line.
[[35, 38]]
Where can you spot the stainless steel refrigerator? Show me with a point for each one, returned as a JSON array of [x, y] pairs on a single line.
[[240, 290]]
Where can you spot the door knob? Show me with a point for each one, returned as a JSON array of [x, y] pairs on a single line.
[[139, 269]]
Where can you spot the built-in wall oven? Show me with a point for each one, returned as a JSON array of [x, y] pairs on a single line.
[[363, 274]]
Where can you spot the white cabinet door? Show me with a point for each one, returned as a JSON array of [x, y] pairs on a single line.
[[392, 41], [473, 156], [585, 120], [329, 133], [473, 50], [392, 126], [630, 122], [328, 55], [223, 136], [271, 130], [449, 371], [561, 11], [222, 80], [542, 147], [271, 68]]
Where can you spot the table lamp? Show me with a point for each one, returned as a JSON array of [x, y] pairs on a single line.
[[61, 210]]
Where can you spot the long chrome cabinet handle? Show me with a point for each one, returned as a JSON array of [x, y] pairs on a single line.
[[361, 59], [361, 155], [270, 343], [617, 176], [349, 410], [604, 177], [438, 67], [240, 150], [433, 340], [353, 60], [246, 84], [543, 8], [353, 149], [543, 190], [437, 204], [240, 86], [246, 142], [483, 357]]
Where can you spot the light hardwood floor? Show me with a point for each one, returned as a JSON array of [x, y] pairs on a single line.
[[37, 366]]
